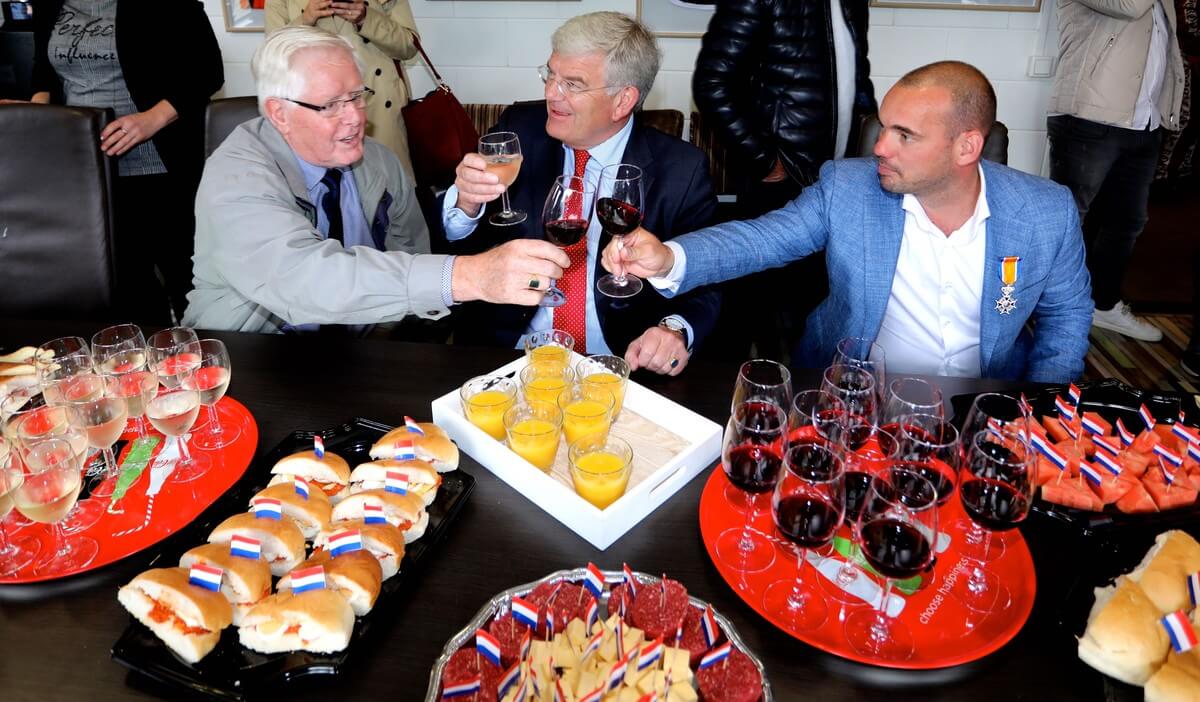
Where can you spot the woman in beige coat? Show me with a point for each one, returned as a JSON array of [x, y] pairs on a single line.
[[382, 30]]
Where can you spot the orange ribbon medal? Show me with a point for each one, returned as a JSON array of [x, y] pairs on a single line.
[[1009, 268]]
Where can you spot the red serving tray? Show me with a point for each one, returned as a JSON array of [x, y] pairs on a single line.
[[176, 505], [938, 626]]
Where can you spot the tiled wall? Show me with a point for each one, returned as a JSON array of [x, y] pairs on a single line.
[[487, 51]]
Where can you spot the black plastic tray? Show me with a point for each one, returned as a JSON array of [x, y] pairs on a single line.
[[231, 672], [1111, 399]]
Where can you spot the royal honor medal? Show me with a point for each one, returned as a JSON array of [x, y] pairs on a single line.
[[1009, 267]]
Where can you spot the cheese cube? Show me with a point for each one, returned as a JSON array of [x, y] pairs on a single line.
[[565, 655], [681, 692], [676, 660], [588, 681], [577, 634]]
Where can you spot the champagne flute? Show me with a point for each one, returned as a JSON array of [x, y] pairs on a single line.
[[996, 486], [52, 484], [102, 421], [898, 525], [119, 349], [15, 552], [764, 381], [807, 505], [173, 413], [502, 152], [172, 352], [751, 456], [565, 219], [211, 380], [619, 209]]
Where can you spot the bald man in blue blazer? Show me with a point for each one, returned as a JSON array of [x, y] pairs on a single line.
[[951, 264]]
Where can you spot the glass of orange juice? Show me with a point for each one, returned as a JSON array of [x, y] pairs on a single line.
[[550, 346], [544, 382], [533, 430], [587, 411], [485, 399], [600, 468], [605, 371]]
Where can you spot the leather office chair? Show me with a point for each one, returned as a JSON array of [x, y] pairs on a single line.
[[994, 149], [223, 116], [56, 221]]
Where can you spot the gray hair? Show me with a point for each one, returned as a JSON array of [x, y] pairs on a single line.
[[273, 61], [631, 56]]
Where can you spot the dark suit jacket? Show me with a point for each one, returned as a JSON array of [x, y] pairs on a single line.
[[678, 199]]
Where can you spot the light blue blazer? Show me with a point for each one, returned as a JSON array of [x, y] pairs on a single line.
[[859, 226]]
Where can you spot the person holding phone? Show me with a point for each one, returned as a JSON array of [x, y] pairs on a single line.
[[382, 33]]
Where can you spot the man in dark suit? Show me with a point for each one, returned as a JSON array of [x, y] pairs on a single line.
[[602, 66]]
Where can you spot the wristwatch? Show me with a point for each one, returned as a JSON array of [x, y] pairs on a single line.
[[674, 324]]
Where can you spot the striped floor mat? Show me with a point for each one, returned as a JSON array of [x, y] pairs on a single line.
[[1143, 365]]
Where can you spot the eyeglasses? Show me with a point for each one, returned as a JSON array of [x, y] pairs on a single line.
[[565, 87], [333, 108]]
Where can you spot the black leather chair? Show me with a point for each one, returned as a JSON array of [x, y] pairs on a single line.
[[56, 221], [222, 116], [994, 149]]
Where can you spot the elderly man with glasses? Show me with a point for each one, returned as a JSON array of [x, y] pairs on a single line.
[[600, 70], [305, 224]]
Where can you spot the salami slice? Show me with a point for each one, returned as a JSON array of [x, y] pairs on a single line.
[[510, 632], [619, 593], [659, 609], [466, 664], [693, 637], [733, 680]]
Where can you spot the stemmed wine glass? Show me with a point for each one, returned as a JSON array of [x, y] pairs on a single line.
[[996, 486], [898, 525], [172, 352], [137, 388], [502, 152], [565, 219], [855, 387], [619, 209], [816, 417], [54, 422], [1007, 419], [910, 397], [173, 413], [18, 551], [752, 457], [52, 484], [211, 380], [66, 354], [807, 505], [119, 349], [102, 420], [864, 353], [759, 380]]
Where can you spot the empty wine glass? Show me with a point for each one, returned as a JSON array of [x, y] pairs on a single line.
[[173, 413], [752, 457], [51, 486], [807, 505], [16, 552], [211, 380], [619, 209], [172, 352], [119, 349], [565, 219], [502, 152], [898, 526]]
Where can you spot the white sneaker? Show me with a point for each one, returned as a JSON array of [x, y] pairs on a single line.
[[1122, 321]]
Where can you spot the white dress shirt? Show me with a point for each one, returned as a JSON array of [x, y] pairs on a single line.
[[1145, 111]]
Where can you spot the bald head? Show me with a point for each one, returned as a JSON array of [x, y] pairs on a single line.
[[972, 99]]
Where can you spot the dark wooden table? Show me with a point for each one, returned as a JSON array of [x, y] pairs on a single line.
[[58, 648]]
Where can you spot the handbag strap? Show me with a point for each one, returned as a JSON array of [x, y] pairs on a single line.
[[437, 76]]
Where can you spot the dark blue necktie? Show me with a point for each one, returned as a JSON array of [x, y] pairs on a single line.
[[331, 203]]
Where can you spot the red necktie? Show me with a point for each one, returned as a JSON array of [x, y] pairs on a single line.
[[571, 317]]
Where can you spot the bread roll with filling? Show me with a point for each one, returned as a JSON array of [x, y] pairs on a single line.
[[187, 618], [330, 474], [245, 583], [1124, 638], [434, 448], [383, 541], [404, 511], [281, 540], [1178, 680], [310, 515], [423, 480], [356, 575], [319, 621], [1163, 573]]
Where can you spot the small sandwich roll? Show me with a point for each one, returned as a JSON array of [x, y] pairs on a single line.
[[319, 621], [383, 541], [25, 354], [281, 540], [404, 511], [356, 575], [1124, 638], [435, 447], [1163, 573], [247, 581], [330, 474], [1178, 680], [423, 480], [187, 618], [310, 514]]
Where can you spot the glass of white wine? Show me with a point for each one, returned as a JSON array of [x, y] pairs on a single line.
[[16, 552], [102, 421], [173, 413], [502, 152], [52, 484], [119, 349], [172, 352], [137, 388], [81, 387], [211, 380]]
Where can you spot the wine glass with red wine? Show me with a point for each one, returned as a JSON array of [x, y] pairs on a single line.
[[759, 380], [619, 209], [1007, 419], [898, 525], [807, 505], [752, 458], [565, 219], [856, 388], [930, 446], [816, 417], [996, 485], [864, 353], [908, 397]]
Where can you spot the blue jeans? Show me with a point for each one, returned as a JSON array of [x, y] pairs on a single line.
[[1109, 171]]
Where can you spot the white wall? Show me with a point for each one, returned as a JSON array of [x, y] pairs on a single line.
[[487, 51]]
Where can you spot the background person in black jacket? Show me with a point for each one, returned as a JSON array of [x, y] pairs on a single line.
[[784, 83], [155, 64]]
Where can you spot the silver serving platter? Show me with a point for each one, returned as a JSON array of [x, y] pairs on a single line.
[[502, 603]]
